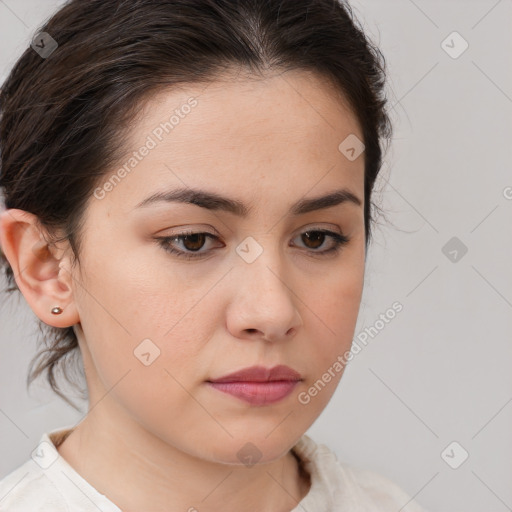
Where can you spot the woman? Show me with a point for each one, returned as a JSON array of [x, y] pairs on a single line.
[[188, 203]]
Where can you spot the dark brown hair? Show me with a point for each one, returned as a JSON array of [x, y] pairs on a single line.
[[64, 116]]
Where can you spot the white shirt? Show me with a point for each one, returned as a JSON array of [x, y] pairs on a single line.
[[46, 482]]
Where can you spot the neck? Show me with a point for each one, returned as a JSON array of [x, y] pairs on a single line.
[[139, 471]]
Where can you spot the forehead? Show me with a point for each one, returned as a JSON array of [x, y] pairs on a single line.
[[299, 103], [245, 134]]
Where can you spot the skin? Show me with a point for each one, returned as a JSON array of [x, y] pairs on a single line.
[[158, 435]]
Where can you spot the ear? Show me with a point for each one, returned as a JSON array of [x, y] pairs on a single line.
[[43, 275]]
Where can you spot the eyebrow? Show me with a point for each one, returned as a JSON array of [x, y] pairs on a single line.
[[214, 201]]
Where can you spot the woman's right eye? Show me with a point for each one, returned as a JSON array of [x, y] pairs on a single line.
[[194, 241]]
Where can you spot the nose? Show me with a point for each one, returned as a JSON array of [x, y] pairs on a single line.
[[264, 304]]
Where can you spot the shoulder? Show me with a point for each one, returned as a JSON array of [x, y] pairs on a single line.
[[27, 488], [339, 485], [380, 490], [47, 482]]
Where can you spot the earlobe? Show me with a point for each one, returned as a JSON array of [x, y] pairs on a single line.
[[40, 275]]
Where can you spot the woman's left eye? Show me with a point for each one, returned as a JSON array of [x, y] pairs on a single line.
[[193, 242]]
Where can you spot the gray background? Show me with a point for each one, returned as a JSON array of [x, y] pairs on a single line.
[[440, 370]]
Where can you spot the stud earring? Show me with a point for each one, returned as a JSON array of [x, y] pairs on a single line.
[[56, 310]]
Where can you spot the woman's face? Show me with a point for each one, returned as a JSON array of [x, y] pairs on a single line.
[[258, 291]]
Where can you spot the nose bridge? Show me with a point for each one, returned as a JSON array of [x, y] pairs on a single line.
[[262, 262], [262, 275]]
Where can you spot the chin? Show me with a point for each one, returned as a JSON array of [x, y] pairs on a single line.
[[249, 450]]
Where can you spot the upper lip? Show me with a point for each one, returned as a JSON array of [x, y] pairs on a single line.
[[261, 374]]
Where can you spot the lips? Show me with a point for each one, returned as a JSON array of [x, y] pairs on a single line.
[[258, 385], [261, 374]]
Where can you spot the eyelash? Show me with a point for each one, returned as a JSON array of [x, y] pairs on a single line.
[[340, 240]]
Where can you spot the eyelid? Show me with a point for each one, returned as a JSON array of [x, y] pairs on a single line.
[[192, 231], [339, 240], [200, 230]]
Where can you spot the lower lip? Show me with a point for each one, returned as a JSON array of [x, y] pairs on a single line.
[[257, 393]]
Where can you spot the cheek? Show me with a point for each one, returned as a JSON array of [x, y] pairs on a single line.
[[335, 306], [342, 307], [130, 319], [339, 301]]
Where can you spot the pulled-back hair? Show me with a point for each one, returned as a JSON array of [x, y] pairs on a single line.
[[64, 116]]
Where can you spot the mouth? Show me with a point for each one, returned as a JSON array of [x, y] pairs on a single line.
[[261, 374], [258, 385], [257, 393]]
